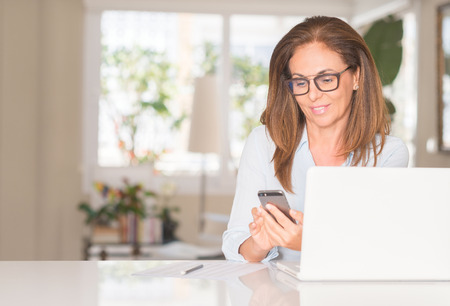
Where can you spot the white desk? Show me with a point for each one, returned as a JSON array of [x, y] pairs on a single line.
[[110, 283]]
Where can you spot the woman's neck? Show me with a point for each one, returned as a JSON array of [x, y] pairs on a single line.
[[325, 146]]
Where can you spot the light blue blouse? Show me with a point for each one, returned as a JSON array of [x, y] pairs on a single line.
[[256, 172]]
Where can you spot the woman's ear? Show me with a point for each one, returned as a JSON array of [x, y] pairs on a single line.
[[356, 79]]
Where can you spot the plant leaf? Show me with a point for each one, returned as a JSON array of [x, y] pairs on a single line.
[[384, 39]]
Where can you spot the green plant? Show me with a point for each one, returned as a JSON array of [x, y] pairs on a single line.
[[145, 79], [164, 212], [250, 77], [119, 202], [210, 58], [384, 39]]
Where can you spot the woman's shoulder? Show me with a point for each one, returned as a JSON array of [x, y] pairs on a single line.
[[395, 152], [259, 138], [258, 149], [259, 131], [259, 134], [394, 142]]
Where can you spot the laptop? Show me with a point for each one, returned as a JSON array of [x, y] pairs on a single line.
[[363, 293], [375, 224]]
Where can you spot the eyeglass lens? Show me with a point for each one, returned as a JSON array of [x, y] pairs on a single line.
[[300, 86]]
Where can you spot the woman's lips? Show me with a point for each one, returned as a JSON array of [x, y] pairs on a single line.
[[320, 109]]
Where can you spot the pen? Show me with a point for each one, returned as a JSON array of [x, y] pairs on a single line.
[[184, 272]]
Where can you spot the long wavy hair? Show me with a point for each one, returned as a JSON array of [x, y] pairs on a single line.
[[283, 117]]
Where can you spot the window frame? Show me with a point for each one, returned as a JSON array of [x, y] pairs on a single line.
[[223, 183]]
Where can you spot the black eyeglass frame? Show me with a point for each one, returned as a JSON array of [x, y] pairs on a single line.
[[337, 75]]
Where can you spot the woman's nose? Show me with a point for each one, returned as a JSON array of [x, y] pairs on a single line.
[[314, 92]]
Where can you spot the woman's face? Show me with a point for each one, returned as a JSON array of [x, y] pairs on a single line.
[[323, 109]]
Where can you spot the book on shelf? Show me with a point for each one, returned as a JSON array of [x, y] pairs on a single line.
[[105, 234], [150, 230], [144, 231]]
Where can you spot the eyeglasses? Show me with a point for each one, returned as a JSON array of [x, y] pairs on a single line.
[[324, 82]]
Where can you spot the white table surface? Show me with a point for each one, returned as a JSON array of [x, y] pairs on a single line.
[[89, 283]]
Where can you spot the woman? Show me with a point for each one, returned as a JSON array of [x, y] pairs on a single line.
[[325, 107]]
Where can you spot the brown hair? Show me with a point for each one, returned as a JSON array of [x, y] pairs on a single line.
[[285, 120]]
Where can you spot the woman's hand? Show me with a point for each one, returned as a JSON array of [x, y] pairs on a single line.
[[258, 232], [256, 247], [268, 232]]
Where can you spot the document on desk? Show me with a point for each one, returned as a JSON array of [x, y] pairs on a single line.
[[211, 269]]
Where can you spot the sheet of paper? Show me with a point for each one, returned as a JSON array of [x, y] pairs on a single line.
[[216, 270]]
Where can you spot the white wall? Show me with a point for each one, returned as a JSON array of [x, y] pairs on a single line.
[[40, 124], [19, 129], [40, 127]]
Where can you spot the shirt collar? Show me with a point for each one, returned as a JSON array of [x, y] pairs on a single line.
[[304, 141]]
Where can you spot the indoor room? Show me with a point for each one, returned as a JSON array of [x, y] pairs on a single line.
[[106, 100], [145, 146]]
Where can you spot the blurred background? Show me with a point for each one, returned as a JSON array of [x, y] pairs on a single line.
[[122, 121]]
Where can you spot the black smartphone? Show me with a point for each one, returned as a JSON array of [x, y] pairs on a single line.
[[277, 198]]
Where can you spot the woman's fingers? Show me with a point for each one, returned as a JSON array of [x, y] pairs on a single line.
[[284, 233], [297, 215], [278, 230], [254, 228], [280, 217], [255, 212]]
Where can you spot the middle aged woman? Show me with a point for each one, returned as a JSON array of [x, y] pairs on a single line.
[[325, 107]]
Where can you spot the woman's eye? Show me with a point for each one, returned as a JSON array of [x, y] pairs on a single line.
[[300, 83], [327, 79]]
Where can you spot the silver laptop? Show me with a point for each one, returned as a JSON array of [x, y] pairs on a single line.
[[375, 224]]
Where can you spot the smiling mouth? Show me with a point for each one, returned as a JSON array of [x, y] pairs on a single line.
[[319, 109]]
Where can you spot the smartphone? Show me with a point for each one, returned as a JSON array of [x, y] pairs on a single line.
[[277, 198]]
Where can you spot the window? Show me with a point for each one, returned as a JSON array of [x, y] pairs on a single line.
[[253, 39], [403, 91], [149, 62], [181, 43]]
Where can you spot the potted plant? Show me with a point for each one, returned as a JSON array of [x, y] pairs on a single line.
[[124, 206], [164, 211]]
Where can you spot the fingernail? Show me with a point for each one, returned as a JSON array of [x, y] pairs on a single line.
[[269, 206]]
